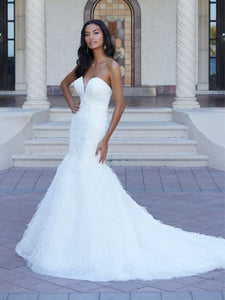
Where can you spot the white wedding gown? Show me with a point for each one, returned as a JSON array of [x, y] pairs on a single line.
[[88, 227]]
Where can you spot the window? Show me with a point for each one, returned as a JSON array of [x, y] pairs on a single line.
[[126, 28], [11, 36], [212, 43], [117, 16]]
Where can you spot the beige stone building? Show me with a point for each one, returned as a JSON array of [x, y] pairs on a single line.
[[162, 46]]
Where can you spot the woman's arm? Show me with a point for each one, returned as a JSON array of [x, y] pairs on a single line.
[[65, 83], [116, 83]]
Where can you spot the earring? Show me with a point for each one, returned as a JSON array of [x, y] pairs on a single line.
[[105, 47]]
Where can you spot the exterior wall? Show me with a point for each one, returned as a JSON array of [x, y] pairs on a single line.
[[64, 20], [158, 42], [158, 46]]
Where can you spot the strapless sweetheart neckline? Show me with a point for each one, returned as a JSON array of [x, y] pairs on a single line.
[[95, 77]]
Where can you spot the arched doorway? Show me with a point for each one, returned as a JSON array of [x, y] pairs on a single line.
[[124, 21]]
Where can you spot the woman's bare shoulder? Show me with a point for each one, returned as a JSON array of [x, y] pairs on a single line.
[[112, 63], [113, 66]]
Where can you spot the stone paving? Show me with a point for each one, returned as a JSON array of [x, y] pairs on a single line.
[[188, 198]]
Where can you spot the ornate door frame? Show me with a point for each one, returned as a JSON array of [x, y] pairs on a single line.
[[136, 34]]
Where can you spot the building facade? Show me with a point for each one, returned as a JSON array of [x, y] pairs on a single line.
[[169, 45]]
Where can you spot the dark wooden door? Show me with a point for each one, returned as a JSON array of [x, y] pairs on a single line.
[[7, 45]]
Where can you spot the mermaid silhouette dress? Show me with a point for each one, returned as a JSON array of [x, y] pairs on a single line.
[[88, 227]]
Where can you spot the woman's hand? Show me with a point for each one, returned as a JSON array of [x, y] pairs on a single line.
[[103, 147], [75, 107]]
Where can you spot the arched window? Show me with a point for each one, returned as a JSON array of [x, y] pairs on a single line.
[[123, 20]]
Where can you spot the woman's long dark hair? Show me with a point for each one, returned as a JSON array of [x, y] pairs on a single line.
[[85, 57]]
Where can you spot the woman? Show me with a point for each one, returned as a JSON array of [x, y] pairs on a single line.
[[87, 226], [96, 60]]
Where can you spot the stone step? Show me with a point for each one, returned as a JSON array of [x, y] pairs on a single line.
[[153, 129], [130, 114], [116, 159], [129, 145]]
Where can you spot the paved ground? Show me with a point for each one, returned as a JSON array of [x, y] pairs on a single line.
[[189, 198]]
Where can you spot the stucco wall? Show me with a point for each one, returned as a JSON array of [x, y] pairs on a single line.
[[64, 20], [158, 42], [64, 23]]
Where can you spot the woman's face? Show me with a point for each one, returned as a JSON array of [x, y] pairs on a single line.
[[94, 36]]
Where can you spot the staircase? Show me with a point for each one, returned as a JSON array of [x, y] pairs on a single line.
[[144, 136]]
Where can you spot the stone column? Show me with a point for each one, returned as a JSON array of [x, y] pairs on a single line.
[[185, 54], [36, 55]]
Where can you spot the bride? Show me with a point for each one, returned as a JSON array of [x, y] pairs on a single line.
[[87, 226]]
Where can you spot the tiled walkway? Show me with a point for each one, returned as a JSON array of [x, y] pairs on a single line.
[[189, 198]]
